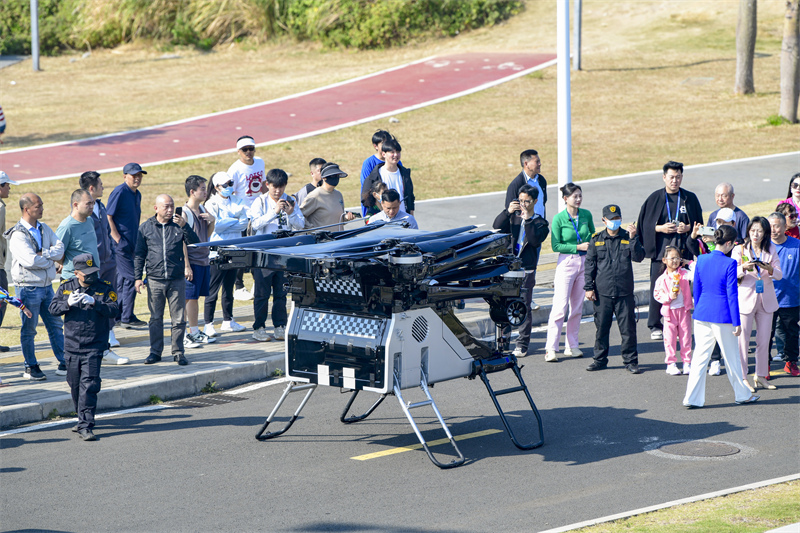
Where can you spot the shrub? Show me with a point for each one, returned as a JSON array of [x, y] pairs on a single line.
[[361, 24]]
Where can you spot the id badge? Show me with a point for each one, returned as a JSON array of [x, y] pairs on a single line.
[[759, 286]]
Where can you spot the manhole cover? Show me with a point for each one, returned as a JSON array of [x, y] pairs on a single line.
[[699, 448]]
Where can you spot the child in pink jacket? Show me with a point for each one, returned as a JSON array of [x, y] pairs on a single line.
[[672, 289]]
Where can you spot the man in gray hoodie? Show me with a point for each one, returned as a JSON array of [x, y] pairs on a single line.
[[35, 249]]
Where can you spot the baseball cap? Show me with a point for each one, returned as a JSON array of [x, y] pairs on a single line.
[[612, 211], [332, 169], [85, 263], [247, 141], [726, 214], [5, 179], [133, 168], [220, 178]]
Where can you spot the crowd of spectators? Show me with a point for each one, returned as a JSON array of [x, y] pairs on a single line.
[[155, 254]]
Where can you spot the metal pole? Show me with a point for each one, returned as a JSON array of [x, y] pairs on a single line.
[[564, 104], [35, 34], [576, 58]]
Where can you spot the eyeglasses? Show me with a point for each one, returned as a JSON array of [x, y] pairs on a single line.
[[249, 149], [525, 202]]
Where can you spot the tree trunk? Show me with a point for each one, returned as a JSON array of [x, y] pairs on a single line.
[[790, 62], [745, 47]]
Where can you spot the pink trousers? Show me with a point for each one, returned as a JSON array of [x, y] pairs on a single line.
[[568, 296], [763, 322], [678, 326]]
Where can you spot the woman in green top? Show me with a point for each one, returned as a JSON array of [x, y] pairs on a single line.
[[571, 230]]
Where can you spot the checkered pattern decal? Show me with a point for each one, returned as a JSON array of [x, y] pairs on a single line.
[[328, 323], [346, 287]]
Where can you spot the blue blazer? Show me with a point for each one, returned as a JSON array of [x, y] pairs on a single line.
[[716, 294]]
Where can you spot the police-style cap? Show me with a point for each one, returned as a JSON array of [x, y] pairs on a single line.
[[133, 168], [332, 169], [85, 263], [612, 211]]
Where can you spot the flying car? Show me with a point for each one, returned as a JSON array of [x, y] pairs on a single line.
[[373, 310]]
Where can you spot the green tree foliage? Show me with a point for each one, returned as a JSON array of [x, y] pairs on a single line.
[[80, 24]]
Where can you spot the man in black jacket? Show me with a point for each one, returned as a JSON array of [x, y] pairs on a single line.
[[608, 282], [666, 219], [531, 165], [393, 174], [527, 230], [161, 250], [87, 303]]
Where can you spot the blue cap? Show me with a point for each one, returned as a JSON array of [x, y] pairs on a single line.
[[133, 168]]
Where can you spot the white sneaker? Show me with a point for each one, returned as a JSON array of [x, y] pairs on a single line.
[[534, 306], [519, 353], [673, 370], [714, 369], [280, 333], [242, 294], [231, 325], [112, 339], [209, 331], [261, 335], [657, 335], [550, 356], [205, 339], [777, 357], [687, 367], [191, 340], [112, 358], [573, 352]]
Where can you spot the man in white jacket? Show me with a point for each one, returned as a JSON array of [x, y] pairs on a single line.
[[35, 249], [272, 211]]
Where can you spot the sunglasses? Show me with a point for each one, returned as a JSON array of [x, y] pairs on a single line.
[[229, 184], [249, 149], [795, 185]]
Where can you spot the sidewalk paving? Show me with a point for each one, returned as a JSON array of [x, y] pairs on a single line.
[[233, 360]]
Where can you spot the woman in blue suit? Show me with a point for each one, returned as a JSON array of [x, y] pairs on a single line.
[[716, 318]]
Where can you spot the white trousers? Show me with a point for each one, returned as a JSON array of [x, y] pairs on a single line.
[[705, 334]]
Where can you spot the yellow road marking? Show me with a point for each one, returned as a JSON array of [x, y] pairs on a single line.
[[401, 449]]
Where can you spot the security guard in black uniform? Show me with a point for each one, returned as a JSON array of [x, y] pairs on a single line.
[[87, 302], [609, 284]]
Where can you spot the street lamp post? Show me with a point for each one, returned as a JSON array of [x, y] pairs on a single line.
[[35, 34], [563, 101]]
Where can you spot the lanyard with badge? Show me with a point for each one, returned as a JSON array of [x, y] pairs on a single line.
[[521, 238], [759, 281], [575, 221], [677, 208]]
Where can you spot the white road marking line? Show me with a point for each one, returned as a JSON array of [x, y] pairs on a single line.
[[257, 386], [74, 420]]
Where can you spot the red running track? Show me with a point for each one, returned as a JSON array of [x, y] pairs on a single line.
[[396, 90]]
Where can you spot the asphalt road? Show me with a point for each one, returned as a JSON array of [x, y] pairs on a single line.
[[192, 468], [754, 180]]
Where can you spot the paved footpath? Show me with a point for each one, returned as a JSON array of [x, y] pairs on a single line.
[[233, 360]]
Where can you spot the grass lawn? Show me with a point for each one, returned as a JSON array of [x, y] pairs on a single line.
[[656, 85], [752, 511]]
